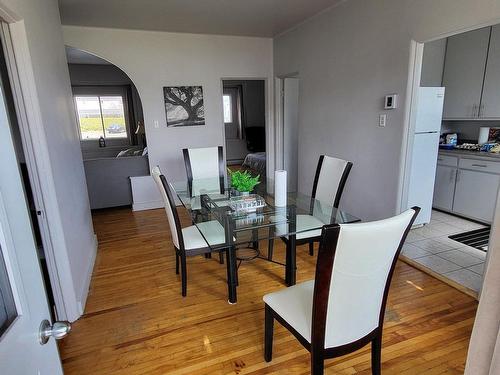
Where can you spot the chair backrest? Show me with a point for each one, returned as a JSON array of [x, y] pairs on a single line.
[[168, 201], [205, 167], [330, 179], [353, 274]]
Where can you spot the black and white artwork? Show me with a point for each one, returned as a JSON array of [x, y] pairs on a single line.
[[184, 105]]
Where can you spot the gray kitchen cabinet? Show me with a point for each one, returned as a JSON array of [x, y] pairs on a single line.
[[490, 102], [444, 187], [476, 194], [464, 72]]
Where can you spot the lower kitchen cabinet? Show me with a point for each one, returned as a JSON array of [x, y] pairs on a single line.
[[444, 187], [475, 194]]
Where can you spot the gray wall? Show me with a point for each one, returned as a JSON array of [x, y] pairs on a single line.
[[254, 107], [347, 59], [58, 149], [433, 63]]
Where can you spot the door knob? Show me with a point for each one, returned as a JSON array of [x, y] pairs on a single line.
[[58, 330]]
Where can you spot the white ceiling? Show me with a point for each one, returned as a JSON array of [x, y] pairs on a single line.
[[265, 18], [77, 56]]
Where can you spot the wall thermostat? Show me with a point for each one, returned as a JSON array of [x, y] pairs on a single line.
[[391, 101]]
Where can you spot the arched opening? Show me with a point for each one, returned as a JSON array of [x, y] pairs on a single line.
[[110, 123]]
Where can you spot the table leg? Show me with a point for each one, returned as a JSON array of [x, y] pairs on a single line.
[[291, 261], [291, 246], [255, 237], [231, 275]]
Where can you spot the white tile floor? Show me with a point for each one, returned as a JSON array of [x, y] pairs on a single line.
[[431, 247]]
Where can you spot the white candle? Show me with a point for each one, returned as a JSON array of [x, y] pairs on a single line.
[[280, 188]]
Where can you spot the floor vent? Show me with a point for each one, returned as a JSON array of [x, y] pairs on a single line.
[[477, 238]]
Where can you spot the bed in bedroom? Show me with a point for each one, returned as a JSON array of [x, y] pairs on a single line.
[[256, 163]]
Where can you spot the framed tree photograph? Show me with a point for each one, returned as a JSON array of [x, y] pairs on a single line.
[[184, 105]]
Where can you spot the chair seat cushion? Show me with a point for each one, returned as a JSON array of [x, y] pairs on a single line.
[[212, 231], [294, 305], [305, 222]]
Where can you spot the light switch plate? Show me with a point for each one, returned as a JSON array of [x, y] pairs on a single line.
[[382, 120]]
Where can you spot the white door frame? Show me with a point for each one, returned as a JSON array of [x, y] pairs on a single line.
[[279, 108], [31, 127], [413, 84]]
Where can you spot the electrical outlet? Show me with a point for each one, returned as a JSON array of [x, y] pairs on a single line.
[[382, 120]]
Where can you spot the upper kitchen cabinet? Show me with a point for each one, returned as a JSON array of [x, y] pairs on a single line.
[[490, 103], [463, 75]]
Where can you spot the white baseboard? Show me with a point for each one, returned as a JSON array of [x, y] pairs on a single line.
[[86, 286], [142, 206]]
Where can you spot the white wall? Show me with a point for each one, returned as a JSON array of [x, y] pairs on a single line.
[[57, 144], [347, 59], [157, 59]]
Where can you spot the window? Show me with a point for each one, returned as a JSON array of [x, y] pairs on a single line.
[[101, 116], [228, 109], [231, 105]]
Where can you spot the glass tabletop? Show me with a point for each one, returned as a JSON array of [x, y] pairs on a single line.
[[227, 219]]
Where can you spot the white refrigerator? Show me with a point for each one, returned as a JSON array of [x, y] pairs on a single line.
[[424, 143]]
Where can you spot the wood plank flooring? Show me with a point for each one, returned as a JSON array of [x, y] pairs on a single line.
[[136, 321]]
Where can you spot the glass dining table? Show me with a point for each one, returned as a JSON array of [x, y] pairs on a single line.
[[246, 220]]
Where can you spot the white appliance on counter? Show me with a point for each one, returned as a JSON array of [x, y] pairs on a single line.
[[424, 143]]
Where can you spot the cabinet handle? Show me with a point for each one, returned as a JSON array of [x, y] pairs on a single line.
[[474, 110], [453, 174], [479, 165], [481, 110], [458, 175]]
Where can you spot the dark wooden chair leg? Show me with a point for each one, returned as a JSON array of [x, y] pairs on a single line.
[[221, 257], [183, 275], [377, 354], [270, 248], [268, 334], [311, 248], [176, 263], [208, 255], [317, 363]]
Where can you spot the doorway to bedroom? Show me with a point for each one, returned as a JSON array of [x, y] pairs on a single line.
[[244, 114]]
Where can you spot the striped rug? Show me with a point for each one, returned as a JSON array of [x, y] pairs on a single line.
[[477, 238]]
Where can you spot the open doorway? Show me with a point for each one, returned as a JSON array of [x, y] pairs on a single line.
[[453, 155], [244, 111], [111, 127]]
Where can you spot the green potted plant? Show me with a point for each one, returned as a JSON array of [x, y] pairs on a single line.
[[243, 182]]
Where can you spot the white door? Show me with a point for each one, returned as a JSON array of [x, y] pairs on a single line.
[[423, 174], [23, 302], [291, 130]]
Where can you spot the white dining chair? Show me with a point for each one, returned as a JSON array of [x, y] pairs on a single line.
[[187, 241], [343, 308], [205, 169], [329, 182]]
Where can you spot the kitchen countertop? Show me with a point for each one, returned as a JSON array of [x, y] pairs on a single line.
[[474, 154]]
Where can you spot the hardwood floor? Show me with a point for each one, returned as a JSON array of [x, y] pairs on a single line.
[[136, 321]]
